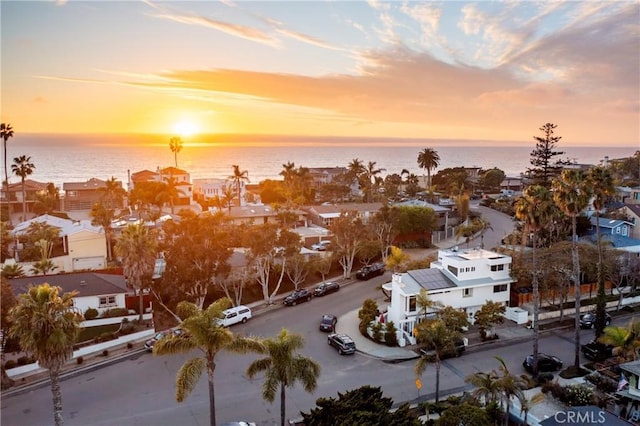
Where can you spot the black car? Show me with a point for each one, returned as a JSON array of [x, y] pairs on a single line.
[[545, 363], [343, 343], [367, 272], [298, 296], [459, 346], [328, 322], [596, 351], [588, 320], [326, 288]]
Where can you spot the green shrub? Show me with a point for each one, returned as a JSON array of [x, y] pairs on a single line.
[[376, 330], [90, 314], [24, 360], [577, 395], [366, 315], [390, 337], [105, 337], [602, 383], [10, 364], [115, 312], [544, 378]]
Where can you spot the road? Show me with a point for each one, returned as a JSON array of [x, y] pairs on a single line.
[[140, 390]]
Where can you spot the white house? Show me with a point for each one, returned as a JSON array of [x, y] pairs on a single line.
[[83, 245], [461, 278], [98, 291]]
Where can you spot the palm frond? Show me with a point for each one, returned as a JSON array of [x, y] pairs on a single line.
[[258, 366], [188, 376]]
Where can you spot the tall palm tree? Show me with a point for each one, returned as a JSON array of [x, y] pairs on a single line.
[[202, 331], [534, 209], [237, 178], [510, 386], [102, 215], [425, 302], [434, 336], [175, 144], [428, 159], [113, 192], [283, 367], [138, 247], [6, 132], [370, 173], [23, 167], [601, 183], [170, 192], [47, 326], [571, 193], [227, 197]]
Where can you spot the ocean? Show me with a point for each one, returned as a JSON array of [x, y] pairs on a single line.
[[61, 159]]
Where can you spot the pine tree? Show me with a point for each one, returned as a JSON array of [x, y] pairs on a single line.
[[544, 168]]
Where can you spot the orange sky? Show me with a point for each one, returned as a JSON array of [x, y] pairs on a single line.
[[455, 70]]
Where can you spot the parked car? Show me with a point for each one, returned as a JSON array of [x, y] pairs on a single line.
[[459, 347], [328, 322], [298, 296], [235, 315], [326, 288], [588, 320], [148, 345], [321, 246], [545, 363], [367, 272], [596, 351], [343, 343]]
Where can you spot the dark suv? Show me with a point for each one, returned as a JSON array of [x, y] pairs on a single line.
[[588, 320], [370, 271], [343, 343], [596, 351], [328, 323], [298, 296], [546, 363]]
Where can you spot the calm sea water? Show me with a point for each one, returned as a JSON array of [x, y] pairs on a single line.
[[60, 159]]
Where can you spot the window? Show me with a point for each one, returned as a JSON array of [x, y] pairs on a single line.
[[107, 301], [413, 304], [495, 268], [467, 292], [453, 270], [72, 193], [499, 288]]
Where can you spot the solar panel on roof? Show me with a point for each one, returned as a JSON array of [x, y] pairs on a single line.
[[430, 279]]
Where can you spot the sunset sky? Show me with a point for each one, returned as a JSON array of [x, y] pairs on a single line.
[[433, 70]]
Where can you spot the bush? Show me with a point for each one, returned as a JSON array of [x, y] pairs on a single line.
[[90, 314], [24, 360], [105, 352], [602, 383], [543, 378], [377, 332], [129, 345], [577, 395], [105, 337], [115, 312], [79, 360], [390, 337], [10, 364]]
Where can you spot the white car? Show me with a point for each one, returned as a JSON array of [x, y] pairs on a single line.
[[321, 246], [235, 315]]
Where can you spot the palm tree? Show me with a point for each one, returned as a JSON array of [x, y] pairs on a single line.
[[202, 331], [47, 326], [237, 177], [601, 183], [169, 192], [175, 144], [6, 132], [113, 192], [425, 302], [102, 215], [428, 159], [510, 386], [534, 209], [23, 167], [486, 386], [138, 247], [283, 367], [625, 340], [370, 173], [572, 194], [227, 197], [434, 336]]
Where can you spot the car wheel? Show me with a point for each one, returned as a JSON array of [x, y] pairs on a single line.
[[244, 320], [329, 342], [340, 352], [294, 303]]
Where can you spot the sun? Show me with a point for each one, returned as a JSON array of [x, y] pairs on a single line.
[[185, 128]]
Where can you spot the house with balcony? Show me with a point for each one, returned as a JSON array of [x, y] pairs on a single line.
[[324, 215], [628, 404], [80, 245], [464, 279], [210, 191], [181, 178], [81, 196], [12, 197]]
